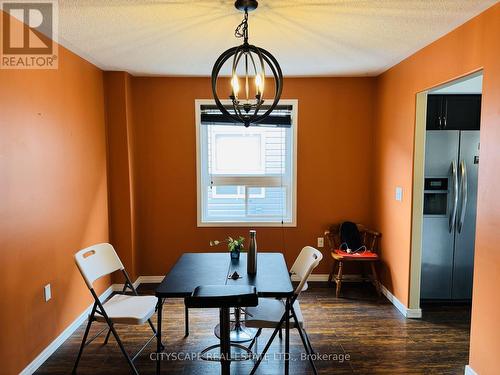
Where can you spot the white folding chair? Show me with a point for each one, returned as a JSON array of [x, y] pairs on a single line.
[[270, 312], [95, 262]]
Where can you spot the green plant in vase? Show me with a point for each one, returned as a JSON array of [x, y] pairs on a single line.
[[235, 246]]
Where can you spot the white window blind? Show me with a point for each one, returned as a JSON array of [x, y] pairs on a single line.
[[246, 175]]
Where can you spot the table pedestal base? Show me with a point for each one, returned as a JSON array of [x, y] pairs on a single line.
[[238, 333]]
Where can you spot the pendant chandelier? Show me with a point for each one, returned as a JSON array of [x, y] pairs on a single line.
[[248, 67]]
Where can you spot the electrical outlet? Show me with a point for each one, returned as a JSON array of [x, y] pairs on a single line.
[[321, 242], [47, 292], [399, 193]]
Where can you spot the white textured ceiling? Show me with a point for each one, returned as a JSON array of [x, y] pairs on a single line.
[[308, 37]]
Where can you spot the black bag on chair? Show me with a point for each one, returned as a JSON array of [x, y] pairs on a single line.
[[350, 238]]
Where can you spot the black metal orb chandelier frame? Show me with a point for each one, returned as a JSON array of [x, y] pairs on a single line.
[[254, 59]]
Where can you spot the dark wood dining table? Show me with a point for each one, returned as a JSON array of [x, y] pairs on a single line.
[[193, 269]]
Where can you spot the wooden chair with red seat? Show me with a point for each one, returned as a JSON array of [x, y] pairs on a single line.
[[370, 239]]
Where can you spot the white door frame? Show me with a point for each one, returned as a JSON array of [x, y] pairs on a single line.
[[418, 199]]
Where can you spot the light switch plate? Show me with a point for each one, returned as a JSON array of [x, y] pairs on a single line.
[[47, 292], [321, 242], [399, 193]]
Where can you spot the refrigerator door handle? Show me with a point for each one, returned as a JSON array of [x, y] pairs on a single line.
[[453, 211], [464, 187]]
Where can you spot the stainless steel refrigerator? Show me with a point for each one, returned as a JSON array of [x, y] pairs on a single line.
[[449, 223]]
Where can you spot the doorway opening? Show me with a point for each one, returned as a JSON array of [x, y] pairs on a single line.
[[446, 161]]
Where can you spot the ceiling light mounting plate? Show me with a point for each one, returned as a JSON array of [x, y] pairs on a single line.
[[246, 5]]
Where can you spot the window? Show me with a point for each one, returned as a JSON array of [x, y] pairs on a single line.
[[246, 176]]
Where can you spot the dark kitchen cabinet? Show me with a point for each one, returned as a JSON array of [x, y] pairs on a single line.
[[434, 112], [453, 112]]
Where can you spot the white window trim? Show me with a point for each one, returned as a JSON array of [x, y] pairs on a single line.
[[198, 103]]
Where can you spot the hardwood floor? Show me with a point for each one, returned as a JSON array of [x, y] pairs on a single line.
[[373, 333]]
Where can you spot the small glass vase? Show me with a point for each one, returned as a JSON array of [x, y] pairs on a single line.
[[235, 254]]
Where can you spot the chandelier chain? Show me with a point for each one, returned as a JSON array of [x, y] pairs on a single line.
[[241, 30]]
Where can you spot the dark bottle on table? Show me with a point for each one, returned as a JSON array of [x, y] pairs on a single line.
[[252, 254]]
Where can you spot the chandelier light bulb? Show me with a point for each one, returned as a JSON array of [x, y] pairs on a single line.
[[259, 83], [235, 84]]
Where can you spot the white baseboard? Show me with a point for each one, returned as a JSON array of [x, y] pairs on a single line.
[[314, 277], [150, 279], [49, 350], [119, 287], [470, 371], [323, 277], [407, 312]]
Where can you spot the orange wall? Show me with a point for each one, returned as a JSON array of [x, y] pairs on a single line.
[[334, 152], [470, 47], [53, 200], [120, 168]]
